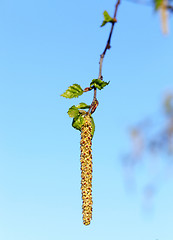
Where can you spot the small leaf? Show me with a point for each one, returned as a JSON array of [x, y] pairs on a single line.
[[78, 121], [93, 126], [103, 23], [73, 91], [158, 4], [106, 15], [83, 106], [107, 18], [73, 111], [98, 83]]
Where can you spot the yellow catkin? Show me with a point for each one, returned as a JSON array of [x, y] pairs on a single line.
[[86, 169]]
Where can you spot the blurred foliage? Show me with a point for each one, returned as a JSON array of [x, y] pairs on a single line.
[[152, 149], [164, 7]]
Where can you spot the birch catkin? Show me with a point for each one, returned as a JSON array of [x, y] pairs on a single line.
[[86, 169]]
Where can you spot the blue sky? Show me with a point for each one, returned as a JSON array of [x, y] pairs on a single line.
[[45, 47]]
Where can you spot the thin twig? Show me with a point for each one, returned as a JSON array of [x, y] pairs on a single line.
[[94, 103], [108, 42]]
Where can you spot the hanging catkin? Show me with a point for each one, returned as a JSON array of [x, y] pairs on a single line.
[[86, 169]]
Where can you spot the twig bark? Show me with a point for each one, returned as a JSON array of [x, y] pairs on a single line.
[[95, 102], [108, 42]]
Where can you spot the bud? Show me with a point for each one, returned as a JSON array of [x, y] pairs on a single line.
[[86, 169], [95, 105], [87, 89]]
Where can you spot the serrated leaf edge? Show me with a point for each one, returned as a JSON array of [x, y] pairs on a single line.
[[77, 87], [74, 110]]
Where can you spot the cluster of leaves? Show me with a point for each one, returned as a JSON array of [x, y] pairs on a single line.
[[77, 112], [75, 90]]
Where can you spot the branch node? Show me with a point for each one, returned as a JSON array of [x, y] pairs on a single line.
[[108, 46]]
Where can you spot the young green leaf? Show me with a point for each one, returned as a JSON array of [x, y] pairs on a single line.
[[158, 4], [107, 18], [98, 83], [93, 126], [82, 106], [78, 121], [73, 111], [73, 91]]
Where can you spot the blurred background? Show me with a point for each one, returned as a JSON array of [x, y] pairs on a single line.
[[45, 47]]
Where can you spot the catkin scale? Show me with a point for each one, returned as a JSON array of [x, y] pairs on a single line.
[[86, 169]]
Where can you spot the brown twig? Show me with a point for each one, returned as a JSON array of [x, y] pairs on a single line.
[[94, 103], [108, 42]]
